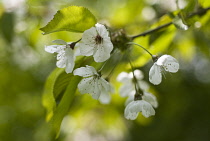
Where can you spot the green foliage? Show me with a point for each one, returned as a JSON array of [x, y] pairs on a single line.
[[182, 114], [7, 26], [59, 88], [64, 104], [72, 18], [52, 90]]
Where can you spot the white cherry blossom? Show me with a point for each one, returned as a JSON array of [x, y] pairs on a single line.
[[133, 108], [148, 97], [65, 54], [93, 84], [165, 62], [128, 82], [96, 41]]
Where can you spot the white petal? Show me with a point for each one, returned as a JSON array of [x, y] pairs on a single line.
[[105, 91], [104, 97], [123, 77], [96, 89], [87, 44], [171, 66], [143, 85], [90, 85], [69, 60], [126, 89], [77, 50], [169, 63], [138, 74], [89, 35], [52, 48], [130, 97], [61, 54], [155, 75], [128, 114], [107, 44], [86, 49], [105, 84], [147, 109], [59, 41], [103, 50], [85, 71], [101, 29], [61, 63], [136, 106], [100, 54], [151, 99]]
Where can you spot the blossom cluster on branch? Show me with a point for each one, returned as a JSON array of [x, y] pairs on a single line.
[[97, 42]]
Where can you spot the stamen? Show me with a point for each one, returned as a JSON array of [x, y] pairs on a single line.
[[98, 39]]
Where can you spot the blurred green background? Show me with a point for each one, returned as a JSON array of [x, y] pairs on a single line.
[[183, 113]]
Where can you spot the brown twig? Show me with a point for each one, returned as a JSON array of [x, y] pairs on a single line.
[[199, 12]]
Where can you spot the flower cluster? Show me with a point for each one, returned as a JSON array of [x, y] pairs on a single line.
[[138, 99], [96, 42]]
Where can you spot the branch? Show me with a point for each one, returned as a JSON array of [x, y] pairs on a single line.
[[200, 12]]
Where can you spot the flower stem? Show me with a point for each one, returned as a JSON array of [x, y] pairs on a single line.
[[111, 72], [132, 43], [72, 45], [139, 92], [200, 12], [103, 66]]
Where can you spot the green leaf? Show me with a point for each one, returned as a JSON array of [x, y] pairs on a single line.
[[7, 26], [64, 104], [48, 99], [72, 18], [61, 84]]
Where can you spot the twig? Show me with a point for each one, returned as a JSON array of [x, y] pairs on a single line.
[[199, 12]]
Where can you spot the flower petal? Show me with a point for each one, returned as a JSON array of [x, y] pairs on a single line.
[[90, 85], [155, 75], [126, 89], [86, 49], [136, 106], [169, 63], [171, 66], [147, 109], [143, 85], [85, 71], [89, 36], [69, 60], [105, 84], [101, 54], [151, 99], [128, 114], [130, 97], [106, 89], [101, 29], [138, 74], [61, 63], [123, 77], [53, 48], [105, 97], [77, 50], [61, 54]]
